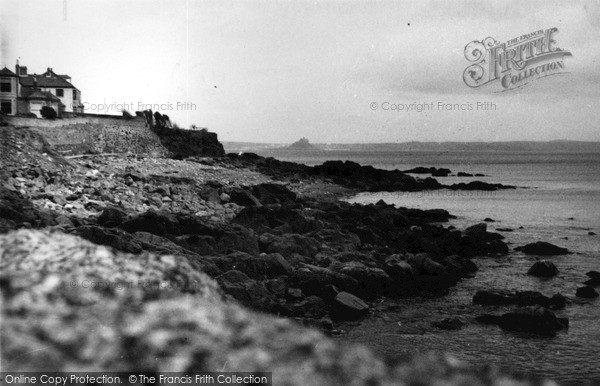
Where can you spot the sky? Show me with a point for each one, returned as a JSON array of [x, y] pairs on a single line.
[[330, 71]]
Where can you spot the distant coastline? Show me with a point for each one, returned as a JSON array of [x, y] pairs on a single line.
[[527, 146]]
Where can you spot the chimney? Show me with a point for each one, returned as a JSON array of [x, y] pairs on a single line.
[[20, 70]]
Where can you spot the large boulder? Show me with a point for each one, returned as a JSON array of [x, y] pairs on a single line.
[[243, 197], [313, 280], [111, 217], [372, 280], [399, 270], [543, 269], [542, 248], [424, 265], [535, 319], [586, 292], [348, 307]]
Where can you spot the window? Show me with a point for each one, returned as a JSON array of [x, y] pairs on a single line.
[[6, 107], [5, 87], [74, 95], [60, 92]]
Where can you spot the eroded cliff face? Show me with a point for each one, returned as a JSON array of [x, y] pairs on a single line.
[[189, 143], [106, 134]]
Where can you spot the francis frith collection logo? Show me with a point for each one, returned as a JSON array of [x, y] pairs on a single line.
[[516, 62]]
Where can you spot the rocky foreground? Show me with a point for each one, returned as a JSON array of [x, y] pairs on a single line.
[[195, 243]]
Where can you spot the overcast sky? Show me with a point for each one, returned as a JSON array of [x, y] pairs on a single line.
[[278, 71]]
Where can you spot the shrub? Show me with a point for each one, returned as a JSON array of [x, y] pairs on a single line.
[[48, 112], [27, 115], [126, 114]]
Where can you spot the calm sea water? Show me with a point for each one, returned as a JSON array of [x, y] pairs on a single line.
[[558, 202]]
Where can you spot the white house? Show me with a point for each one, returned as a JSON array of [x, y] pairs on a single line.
[[23, 93]]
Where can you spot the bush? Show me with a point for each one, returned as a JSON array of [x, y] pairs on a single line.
[[48, 112], [126, 114]]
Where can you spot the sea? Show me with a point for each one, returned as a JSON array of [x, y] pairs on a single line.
[[557, 200]]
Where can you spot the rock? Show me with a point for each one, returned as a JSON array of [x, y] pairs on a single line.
[[277, 264], [113, 237], [558, 302], [399, 270], [537, 320], [328, 292], [225, 198], [371, 280], [312, 280], [15, 208], [449, 324], [341, 241], [543, 249], [256, 267], [59, 199], [263, 219], [348, 307], [461, 266], [277, 286], [593, 274], [294, 293], [586, 292], [111, 217], [247, 291], [237, 238], [135, 176], [269, 193], [423, 264], [531, 298], [310, 307], [543, 269], [463, 174], [200, 244], [487, 219], [494, 297], [505, 229], [290, 243], [243, 197], [476, 229], [158, 223], [64, 221], [210, 194], [591, 233], [593, 282]]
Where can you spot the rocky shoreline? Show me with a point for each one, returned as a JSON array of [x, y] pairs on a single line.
[[274, 236]]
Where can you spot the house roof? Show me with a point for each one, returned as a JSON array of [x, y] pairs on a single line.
[[30, 93], [55, 81], [6, 72]]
